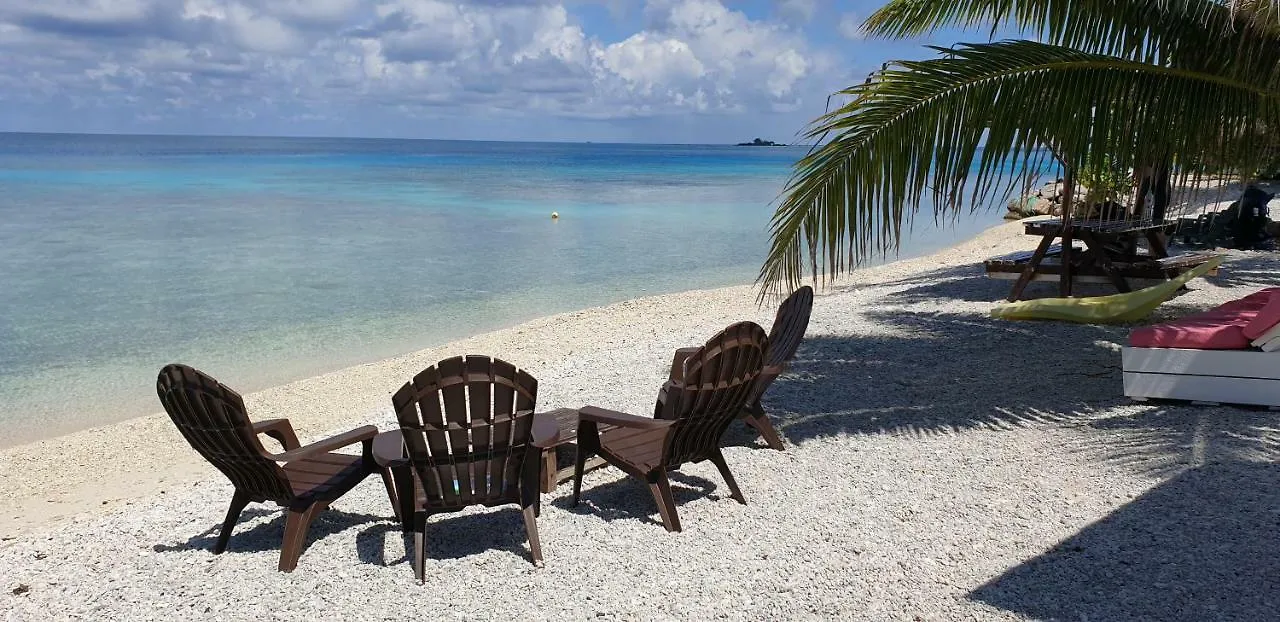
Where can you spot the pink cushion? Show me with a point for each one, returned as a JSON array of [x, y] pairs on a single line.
[[1267, 316], [1197, 335], [1220, 328]]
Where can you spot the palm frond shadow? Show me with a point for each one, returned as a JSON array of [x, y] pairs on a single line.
[[1198, 546], [1250, 269], [939, 373]]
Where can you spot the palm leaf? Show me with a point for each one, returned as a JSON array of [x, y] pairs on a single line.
[[949, 128], [1202, 34]]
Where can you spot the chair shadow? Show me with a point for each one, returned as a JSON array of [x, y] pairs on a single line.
[[268, 535], [628, 498], [1200, 546], [456, 536]]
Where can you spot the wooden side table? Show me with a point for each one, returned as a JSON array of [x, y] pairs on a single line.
[[565, 451]]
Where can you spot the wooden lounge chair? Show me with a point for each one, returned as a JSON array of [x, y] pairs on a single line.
[[690, 417], [788, 329], [212, 418], [472, 439]]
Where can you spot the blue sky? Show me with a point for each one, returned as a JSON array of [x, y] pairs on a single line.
[[688, 71]]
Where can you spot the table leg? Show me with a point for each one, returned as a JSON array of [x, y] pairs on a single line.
[[548, 470], [1029, 270], [1155, 238], [1098, 255], [1064, 280]]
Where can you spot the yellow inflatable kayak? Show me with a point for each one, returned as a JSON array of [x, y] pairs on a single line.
[[1112, 309]]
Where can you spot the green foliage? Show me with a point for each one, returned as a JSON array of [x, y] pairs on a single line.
[[1112, 85], [1104, 180]]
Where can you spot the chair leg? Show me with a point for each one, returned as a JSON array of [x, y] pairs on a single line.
[[660, 488], [531, 529], [391, 492], [420, 549], [759, 421], [295, 534], [406, 494], [238, 501], [717, 459], [579, 464]]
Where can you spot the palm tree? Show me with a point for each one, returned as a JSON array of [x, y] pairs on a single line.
[[1185, 84]]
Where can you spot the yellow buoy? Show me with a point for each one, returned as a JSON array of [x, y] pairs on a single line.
[[555, 215]]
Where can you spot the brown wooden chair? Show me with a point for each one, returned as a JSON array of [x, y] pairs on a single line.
[[472, 439], [213, 420], [690, 417], [788, 329]]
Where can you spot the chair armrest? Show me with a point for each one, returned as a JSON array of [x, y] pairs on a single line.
[[613, 417], [773, 370], [364, 433], [279, 429], [546, 431], [677, 364]]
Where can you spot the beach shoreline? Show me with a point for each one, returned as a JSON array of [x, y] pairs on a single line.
[[939, 464], [33, 493]]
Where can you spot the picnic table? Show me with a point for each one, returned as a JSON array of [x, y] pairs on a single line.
[[1110, 251]]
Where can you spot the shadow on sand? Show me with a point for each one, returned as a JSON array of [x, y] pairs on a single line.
[[1204, 544], [1200, 546]]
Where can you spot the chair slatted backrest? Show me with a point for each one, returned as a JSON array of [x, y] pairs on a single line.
[[467, 423], [788, 329], [212, 418], [717, 383], [789, 326]]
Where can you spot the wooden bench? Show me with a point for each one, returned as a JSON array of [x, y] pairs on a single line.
[[1010, 267]]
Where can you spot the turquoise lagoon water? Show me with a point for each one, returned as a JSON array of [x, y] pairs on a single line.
[[264, 260]]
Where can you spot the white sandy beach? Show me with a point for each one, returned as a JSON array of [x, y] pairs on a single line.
[[940, 465]]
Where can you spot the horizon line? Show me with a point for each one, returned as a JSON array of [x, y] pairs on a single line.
[[318, 137]]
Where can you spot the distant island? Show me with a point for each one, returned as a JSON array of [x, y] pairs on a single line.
[[761, 143]]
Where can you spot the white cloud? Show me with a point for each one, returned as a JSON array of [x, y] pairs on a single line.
[[306, 59], [850, 27], [645, 61]]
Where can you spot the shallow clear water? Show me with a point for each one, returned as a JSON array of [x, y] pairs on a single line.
[[262, 260]]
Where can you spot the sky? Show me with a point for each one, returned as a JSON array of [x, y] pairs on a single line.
[[656, 71]]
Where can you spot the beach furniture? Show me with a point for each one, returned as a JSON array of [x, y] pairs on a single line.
[[689, 418], [1110, 255], [1229, 354], [303, 479], [565, 450], [469, 436], [1112, 309], [789, 324]]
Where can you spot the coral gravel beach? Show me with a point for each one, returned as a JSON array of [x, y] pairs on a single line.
[[940, 465]]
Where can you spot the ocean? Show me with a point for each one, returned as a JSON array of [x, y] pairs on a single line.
[[265, 260]]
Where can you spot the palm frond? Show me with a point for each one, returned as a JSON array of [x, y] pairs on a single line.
[[949, 130], [1201, 34]]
